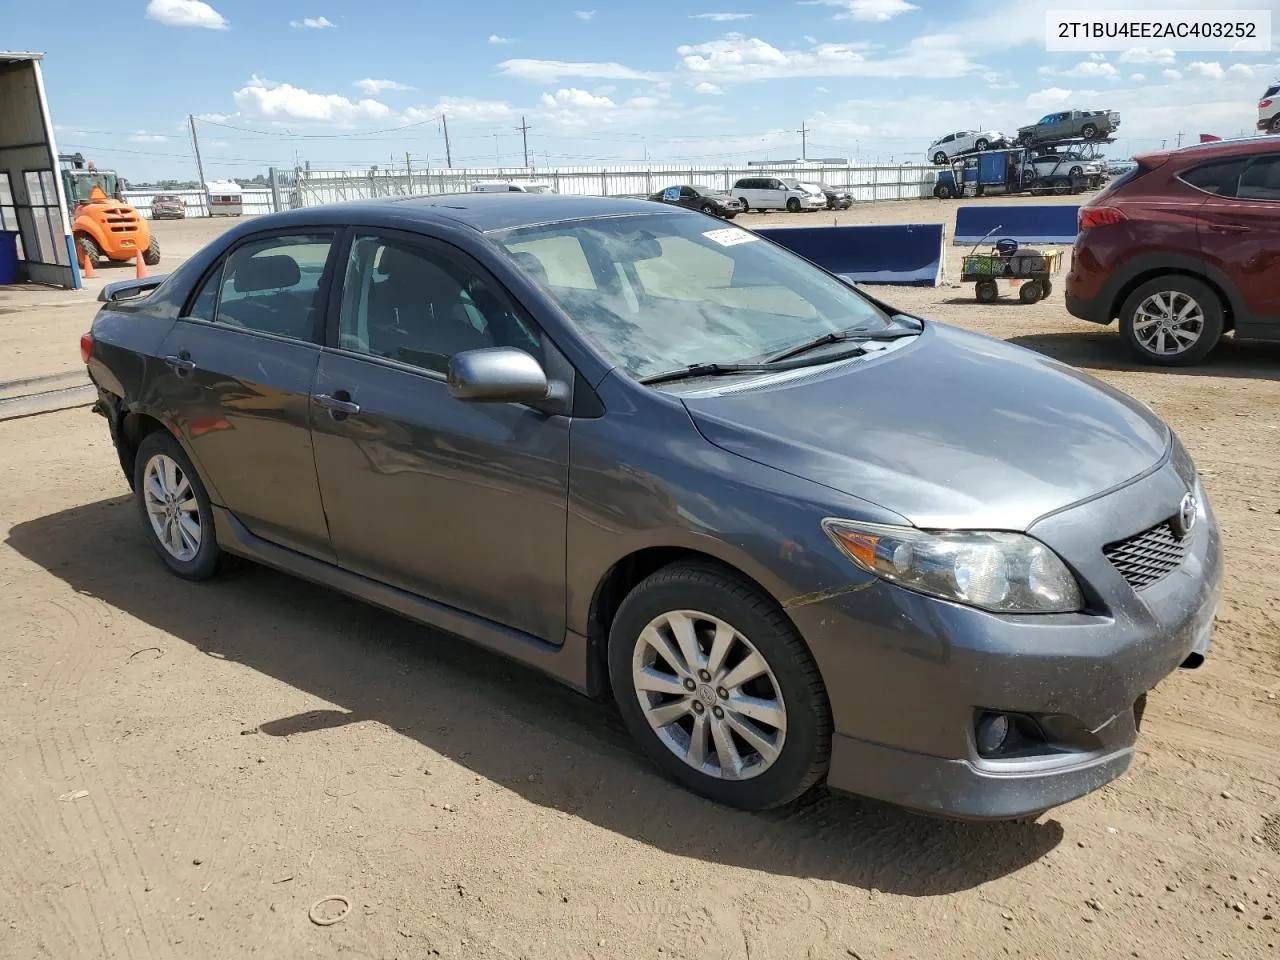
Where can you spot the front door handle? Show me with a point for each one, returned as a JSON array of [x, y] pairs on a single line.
[[1228, 227], [340, 406], [182, 364]]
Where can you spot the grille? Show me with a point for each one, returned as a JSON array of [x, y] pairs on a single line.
[[1147, 557]]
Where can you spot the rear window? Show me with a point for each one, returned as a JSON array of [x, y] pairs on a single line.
[[1216, 176], [1272, 90]]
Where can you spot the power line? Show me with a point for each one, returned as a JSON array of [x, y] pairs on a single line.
[[320, 136]]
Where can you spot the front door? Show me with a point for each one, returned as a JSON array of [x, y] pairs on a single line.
[[463, 503], [240, 363], [1240, 230]]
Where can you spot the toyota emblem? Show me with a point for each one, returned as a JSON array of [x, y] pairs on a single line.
[[1187, 512]]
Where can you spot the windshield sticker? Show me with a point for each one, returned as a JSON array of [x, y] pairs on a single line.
[[730, 236]]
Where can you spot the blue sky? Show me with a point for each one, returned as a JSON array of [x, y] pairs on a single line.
[[279, 81]]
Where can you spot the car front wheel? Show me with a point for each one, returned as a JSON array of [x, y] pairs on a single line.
[[1172, 320], [174, 507], [939, 158], [719, 689]]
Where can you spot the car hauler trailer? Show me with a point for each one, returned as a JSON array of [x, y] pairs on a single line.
[[1016, 170]]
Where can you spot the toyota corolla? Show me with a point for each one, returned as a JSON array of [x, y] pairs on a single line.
[[800, 536]]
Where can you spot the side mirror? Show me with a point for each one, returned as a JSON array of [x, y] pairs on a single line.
[[497, 375]]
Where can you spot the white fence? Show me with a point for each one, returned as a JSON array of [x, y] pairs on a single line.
[[315, 187], [256, 201]]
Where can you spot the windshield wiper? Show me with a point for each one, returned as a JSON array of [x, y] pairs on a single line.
[[837, 336], [706, 370]]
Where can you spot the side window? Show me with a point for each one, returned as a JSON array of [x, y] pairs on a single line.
[[272, 286], [686, 193], [1261, 181], [1219, 176], [420, 306], [948, 138], [205, 304]]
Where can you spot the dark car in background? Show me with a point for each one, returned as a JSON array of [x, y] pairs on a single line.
[[167, 206], [715, 203], [799, 535], [838, 198], [1183, 249]]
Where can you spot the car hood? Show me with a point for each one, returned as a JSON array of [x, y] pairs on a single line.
[[952, 429]]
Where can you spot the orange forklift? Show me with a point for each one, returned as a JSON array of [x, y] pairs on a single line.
[[104, 225]]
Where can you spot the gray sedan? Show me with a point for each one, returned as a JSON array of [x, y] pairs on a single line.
[[800, 536]]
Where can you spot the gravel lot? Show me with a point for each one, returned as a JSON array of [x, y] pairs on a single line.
[[185, 769]]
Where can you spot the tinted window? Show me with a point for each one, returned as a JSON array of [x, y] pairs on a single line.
[[206, 301], [1217, 176], [1271, 91], [948, 138], [1261, 181], [666, 291], [273, 286], [420, 306]]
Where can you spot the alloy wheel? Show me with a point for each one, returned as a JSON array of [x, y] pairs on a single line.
[[709, 695], [1168, 323], [172, 507]]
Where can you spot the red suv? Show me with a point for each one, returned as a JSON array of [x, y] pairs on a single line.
[[1183, 248]]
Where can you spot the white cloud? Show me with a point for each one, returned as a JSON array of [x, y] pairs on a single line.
[[1171, 75], [1047, 98], [736, 57], [642, 103], [1210, 70], [584, 14], [821, 90], [284, 102], [1147, 55], [1245, 70], [463, 109], [812, 41], [876, 11], [313, 23], [708, 88], [375, 87], [1137, 77], [494, 38], [1091, 69], [721, 17], [186, 13], [550, 71], [141, 136], [573, 97]]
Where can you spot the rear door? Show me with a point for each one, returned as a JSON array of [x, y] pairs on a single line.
[[239, 366], [1239, 230]]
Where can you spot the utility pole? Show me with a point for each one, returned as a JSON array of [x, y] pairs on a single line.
[[524, 134], [1179, 138], [804, 142], [195, 143], [497, 156], [448, 154], [408, 170]]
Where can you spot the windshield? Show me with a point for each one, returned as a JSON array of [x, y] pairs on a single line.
[[82, 184], [660, 292]]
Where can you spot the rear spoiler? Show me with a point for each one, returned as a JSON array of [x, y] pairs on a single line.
[[129, 289]]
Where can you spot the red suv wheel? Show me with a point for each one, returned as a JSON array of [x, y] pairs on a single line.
[[1172, 320]]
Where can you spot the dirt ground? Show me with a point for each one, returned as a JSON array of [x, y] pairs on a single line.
[[185, 769]]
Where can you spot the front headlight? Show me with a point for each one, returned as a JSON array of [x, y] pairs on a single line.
[[1000, 572]]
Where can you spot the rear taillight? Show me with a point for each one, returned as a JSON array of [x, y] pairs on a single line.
[[1263, 104], [1091, 217], [86, 347]]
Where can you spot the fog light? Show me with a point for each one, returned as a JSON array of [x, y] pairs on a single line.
[[992, 732]]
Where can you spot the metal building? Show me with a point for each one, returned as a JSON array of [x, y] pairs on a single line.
[[32, 202]]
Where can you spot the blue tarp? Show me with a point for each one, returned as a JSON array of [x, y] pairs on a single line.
[[1026, 224], [910, 254]]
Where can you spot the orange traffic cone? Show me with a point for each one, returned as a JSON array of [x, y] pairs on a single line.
[[142, 266], [86, 265]]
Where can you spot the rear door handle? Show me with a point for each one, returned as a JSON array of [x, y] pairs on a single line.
[[181, 364], [336, 405], [1228, 227]]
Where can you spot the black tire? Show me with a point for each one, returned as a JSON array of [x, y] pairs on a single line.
[[746, 207], [1030, 291], [708, 209], [204, 564], [1061, 186], [151, 256], [1274, 126], [943, 191], [1202, 293], [1046, 285], [89, 247], [793, 205], [981, 144], [1089, 131], [708, 589], [1075, 172], [939, 158], [986, 291]]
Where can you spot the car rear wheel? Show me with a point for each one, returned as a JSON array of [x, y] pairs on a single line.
[[1172, 320], [715, 683], [939, 158], [175, 509], [1275, 124]]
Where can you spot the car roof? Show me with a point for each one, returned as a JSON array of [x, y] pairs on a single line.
[[1228, 147], [482, 211]]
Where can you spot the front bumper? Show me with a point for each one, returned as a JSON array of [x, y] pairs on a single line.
[[908, 675]]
